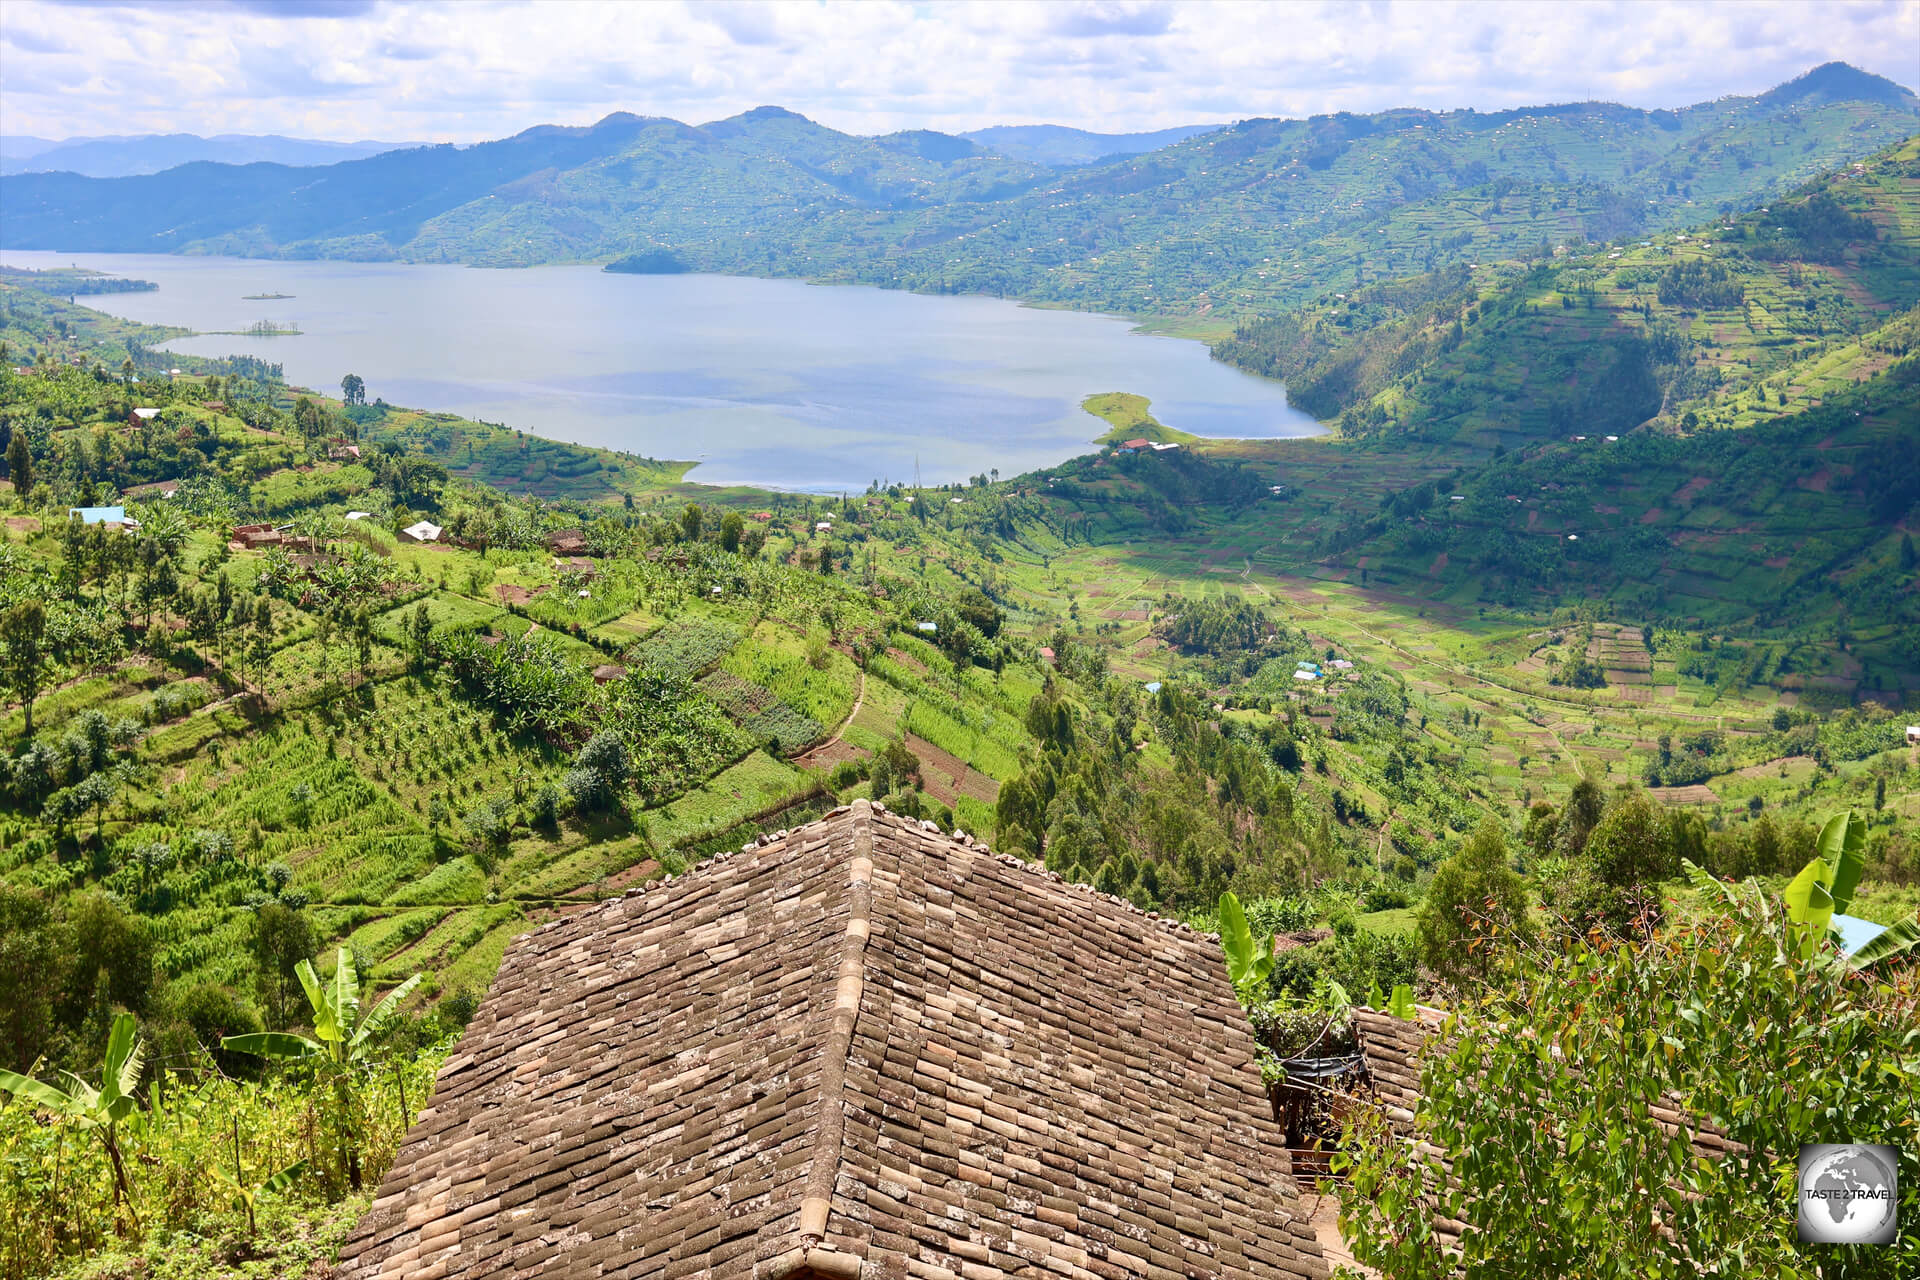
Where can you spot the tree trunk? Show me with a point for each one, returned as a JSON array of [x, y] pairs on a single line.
[[122, 1189]]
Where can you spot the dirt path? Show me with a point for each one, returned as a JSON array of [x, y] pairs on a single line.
[[828, 752]]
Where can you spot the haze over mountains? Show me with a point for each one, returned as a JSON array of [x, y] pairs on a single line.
[[1262, 212], [120, 157], [1061, 147]]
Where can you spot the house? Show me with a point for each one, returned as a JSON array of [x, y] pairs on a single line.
[[608, 672], [576, 565], [568, 542], [1133, 446], [763, 516], [823, 526], [926, 628], [344, 453], [141, 417], [1046, 653], [154, 489], [860, 1048], [424, 531], [110, 516], [359, 515], [1913, 735], [252, 537]]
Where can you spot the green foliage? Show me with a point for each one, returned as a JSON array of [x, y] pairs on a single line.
[[99, 1108], [1249, 960], [342, 1046], [1545, 1101], [1476, 905]]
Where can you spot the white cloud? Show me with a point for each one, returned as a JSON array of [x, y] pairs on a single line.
[[483, 68]]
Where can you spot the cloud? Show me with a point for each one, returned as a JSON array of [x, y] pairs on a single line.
[[475, 69], [1105, 19]]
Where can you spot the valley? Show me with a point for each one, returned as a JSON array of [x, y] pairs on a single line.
[[1520, 600]]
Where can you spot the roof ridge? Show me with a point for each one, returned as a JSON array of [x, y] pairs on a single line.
[[1172, 924], [823, 1172]]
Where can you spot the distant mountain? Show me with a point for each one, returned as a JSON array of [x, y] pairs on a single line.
[[1838, 82], [20, 146], [1241, 220], [119, 157], [1061, 147]]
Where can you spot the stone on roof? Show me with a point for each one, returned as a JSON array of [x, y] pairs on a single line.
[[858, 1049]]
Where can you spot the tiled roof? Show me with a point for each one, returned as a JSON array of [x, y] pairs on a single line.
[[862, 1049]]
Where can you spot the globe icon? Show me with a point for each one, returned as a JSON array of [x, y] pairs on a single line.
[[1848, 1195]]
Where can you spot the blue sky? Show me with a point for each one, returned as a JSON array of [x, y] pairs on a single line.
[[416, 70]]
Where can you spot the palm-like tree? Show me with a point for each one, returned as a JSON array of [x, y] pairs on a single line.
[[99, 1109], [342, 1042]]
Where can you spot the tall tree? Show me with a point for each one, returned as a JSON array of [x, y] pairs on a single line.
[[353, 389], [23, 652], [20, 465]]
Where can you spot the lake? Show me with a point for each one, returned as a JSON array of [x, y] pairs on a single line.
[[765, 382]]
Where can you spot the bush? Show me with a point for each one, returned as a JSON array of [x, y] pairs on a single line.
[[1719, 1012], [1474, 896]]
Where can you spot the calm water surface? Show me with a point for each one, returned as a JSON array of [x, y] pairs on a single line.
[[767, 382]]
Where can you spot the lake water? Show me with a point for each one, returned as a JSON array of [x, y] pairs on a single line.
[[767, 382]]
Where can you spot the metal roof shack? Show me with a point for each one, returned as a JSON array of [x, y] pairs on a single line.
[[861, 1048]]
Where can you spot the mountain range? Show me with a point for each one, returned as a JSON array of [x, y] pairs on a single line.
[[129, 155], [1259, 214], [1061, 147]]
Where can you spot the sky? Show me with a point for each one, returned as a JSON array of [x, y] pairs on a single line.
[[425, 70]]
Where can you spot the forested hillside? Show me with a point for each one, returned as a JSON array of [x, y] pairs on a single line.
[[1733, 321], [1258, 214]]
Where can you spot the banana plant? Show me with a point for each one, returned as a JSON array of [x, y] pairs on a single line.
[[1248, 962], [342, 1041], [1397, 1005], [1826, 884], [1824, 888], [101, 1109]]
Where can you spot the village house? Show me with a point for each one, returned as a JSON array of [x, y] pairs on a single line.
[[141, 417], [608, 672], [254, 537], [424, 531], [861, 1048], [1913, 735], [153, 489], [114, 518], [568, 542]]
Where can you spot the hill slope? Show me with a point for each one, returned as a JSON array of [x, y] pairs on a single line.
[[1261, 214], [1061, 147]]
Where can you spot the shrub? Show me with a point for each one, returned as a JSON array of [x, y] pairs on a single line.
[[1474, 895]]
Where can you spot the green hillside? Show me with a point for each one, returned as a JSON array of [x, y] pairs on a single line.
[[1294, 669], [1216, 227], [1731, 322]]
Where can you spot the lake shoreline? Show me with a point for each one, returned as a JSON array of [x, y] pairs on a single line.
[[772, 383]]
